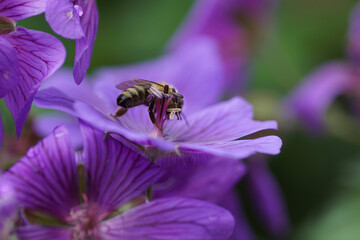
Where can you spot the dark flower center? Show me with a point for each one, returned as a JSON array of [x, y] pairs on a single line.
[[85, 220]]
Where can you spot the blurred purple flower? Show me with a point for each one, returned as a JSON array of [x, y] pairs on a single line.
[[317, 91], [242, 230], [112, 175], [201, 176], [75, 19], [27, 57], [311, 99], [213, 178], [266, 197], [205, 177], [7, 208], [232, 24], [211, 129]]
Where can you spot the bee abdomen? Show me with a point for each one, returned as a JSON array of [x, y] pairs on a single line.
[[132, 97]]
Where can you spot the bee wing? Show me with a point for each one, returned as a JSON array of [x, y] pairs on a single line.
[[130, 83], [156, 92]]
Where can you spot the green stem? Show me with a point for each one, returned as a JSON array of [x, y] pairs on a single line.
[[149, 190], [149, 193]]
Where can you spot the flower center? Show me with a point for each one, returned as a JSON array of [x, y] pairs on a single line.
[[85, 219], [6, 25]]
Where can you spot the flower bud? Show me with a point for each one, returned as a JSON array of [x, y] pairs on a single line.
[[6, 25]]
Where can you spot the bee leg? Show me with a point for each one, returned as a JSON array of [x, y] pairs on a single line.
[[119, 112], [151, 106], [152, 118], [152, 112]]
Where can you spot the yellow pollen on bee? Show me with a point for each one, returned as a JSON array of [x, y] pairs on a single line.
[[127, 94], [140, 89], [133, 91]]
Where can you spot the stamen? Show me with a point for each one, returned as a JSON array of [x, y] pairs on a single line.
[[162, 107], [85, 219], [160, 111]]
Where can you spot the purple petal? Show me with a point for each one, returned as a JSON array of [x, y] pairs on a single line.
[[216, 128], [354, 35], [9, 67], [44, 124], [30, 232], [311, 99], [46, 178], [215, 19], [108, 124], [212, 18], [115, 173], [7, 207], [39, 55], [199, 176], [242, 230], [197, 63], [166, 218], [239, 149], [266, 196], [20, 9], [60, 92], [212, 130], [84, 45], [63, 18]]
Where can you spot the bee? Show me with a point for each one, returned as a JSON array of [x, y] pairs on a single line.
[[143, 92]]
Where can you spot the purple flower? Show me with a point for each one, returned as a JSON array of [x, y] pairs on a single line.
[[311, 99], [201, 176], [242, 230], [317, 91], [7, 208], [225, 22], [27, 57], [213, 178], [266, 197], [75, 19], [204, 177], [85, 191], [213, 129]]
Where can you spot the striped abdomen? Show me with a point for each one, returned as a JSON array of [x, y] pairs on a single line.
[[133, 96]]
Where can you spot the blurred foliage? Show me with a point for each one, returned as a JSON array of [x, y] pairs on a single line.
[[340, 217], [304, 34]]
